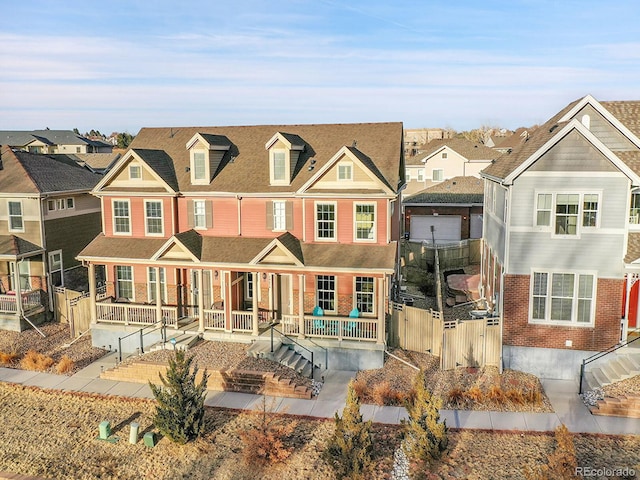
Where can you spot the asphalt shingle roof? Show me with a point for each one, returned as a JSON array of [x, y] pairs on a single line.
[[455, 190]]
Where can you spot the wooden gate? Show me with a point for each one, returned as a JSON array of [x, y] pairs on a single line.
[[416, 329], [73, 308], [471, 343]]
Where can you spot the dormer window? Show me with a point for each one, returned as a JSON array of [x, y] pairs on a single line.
[[135, 172], [206, 152], [279, 166], [284, 151], [199, 167], [345, 171]]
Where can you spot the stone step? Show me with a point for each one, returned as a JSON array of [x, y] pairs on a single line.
[[618, 407], [262, 348], [600, 377], [591, 382], [183, 342]]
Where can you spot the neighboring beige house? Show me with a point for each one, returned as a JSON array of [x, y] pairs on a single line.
[[441, 160], [47, 216], [416, 138], [52, 141]]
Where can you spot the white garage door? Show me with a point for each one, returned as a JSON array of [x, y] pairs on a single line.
[[446, 227]]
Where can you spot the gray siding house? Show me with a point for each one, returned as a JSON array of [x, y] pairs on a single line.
[[559, 259]]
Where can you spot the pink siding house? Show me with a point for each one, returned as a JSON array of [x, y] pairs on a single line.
[[225, 230]]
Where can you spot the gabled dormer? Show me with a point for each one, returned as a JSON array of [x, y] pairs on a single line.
[[284, 151], [206, 152]]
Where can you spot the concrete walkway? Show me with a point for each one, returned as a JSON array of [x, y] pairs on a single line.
[[568, 407]]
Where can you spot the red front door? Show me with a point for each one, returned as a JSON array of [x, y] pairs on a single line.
[[633, 304]]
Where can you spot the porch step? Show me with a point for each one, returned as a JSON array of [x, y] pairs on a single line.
[[183, 342], [284, 354], [262, 348], [619, 367]]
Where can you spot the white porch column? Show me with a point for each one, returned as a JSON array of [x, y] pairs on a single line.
[[301, 304], [200, 302], [381, 293], [18, 288], [254, 304], [228, 321], [158, 295], [92, 293]]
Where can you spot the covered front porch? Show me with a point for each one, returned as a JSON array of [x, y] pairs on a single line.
[[22, 283]]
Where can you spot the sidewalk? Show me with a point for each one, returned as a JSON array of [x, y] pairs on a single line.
[[568, 407]]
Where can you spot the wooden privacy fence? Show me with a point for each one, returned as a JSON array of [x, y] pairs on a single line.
[[468, 343], [73, 308]]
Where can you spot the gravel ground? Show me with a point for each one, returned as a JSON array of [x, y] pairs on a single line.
[[400, 377], [630, 386], [228, 355], [60, 442], [53, 345]]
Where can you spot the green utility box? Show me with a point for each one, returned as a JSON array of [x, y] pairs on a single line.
[[150, 439], [105, 430]]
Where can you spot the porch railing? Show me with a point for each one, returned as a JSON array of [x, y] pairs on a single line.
[[214, 319], [241, 321], [134, 314], [30, 300], [341, 328]]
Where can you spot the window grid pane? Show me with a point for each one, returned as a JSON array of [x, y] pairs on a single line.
[[326, 292], [121, 216], [199, 215], [539, 296], [325, 220], [365, 221], [562, 296], [154, 217], [278, 166], [567, 214], [15, 216], [364, 294], [589, 210], [543, 217], [124, 277], [634, 211], [279, 216]]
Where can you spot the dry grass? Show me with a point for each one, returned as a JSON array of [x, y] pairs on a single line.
[[8, 358], [53, 435], [65, 365], [36, 362]]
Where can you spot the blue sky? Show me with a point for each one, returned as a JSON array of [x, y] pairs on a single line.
[[122, 65]]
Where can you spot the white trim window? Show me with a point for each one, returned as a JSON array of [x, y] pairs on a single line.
[[278, 170], [61, 204], [407, 175], [562, 298], [365, 221], [444, 155], [437, 174], [279, 215], [55, 268], [567, 213], [345, 171], [151, 284], [326, 292], [421, 175], [121, 217], [16, 222], [365, 295], [135, 172], [153, 217], [326, 220], [199, 167], [124, 282], [51, 205], [71, 203], [199, 214]]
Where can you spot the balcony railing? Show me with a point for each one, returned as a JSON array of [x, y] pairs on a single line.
[[30, 301]]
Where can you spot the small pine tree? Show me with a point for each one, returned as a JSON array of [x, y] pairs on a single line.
[[350, 448], [425, 437], [180, 410]]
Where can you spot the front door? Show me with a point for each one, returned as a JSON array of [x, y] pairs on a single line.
[[285, 295], [195, 294]]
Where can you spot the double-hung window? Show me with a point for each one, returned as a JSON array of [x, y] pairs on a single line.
[[543, 209], [420, 175], [16, 223], [248, 286], [326, 292], [278, 167], [135, 172], [365, 221], [437, 174], [124, 282], [567, 206], [279, 215], [345, 171], [152, 283], [199, 167], [121, 217], [365, 299], [325, 221], [153, 217], [562, 298], [55, 268], [199, 214]]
